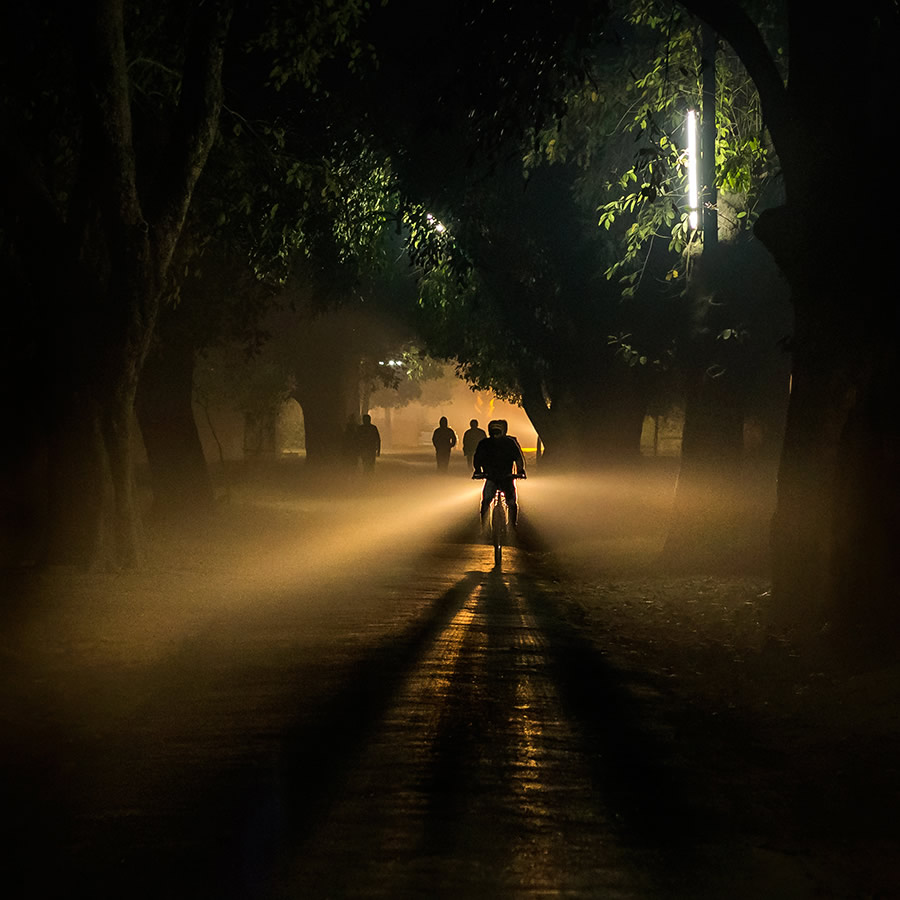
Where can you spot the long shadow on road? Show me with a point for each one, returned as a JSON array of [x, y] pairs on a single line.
[[622, 738], [539, 770], [542, 770], [317, 754]]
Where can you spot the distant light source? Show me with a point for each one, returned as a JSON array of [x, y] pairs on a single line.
[[693, 196], [433, 222]]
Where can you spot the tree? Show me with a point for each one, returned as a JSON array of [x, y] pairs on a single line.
[[582, 357], [218, 300], [837, 508], [94, 214], [329, 352], [450, 120], [409, 370], [725, 333], [524, 263], [108, 142]]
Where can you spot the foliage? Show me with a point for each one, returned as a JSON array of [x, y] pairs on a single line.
[[401, 380], [517, 288], [302, 42], [331, 211], [226, 377], [286, 193], [459, 321], [644, 204]]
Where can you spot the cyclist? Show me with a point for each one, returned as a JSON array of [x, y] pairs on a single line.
[[496, 457]]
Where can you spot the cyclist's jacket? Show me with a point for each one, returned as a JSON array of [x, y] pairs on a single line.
[[496, 456]]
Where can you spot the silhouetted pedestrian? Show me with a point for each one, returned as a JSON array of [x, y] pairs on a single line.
[[368, 443], [444, 440], [471, 439]]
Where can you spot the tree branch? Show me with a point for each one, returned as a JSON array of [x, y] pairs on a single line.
[[197, 122], [736, 27], [110, 143]]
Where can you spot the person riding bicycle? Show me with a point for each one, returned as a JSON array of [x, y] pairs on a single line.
[[496, 457]]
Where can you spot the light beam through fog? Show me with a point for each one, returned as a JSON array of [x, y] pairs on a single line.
[[316, 554], [361, 537], [612, 517]]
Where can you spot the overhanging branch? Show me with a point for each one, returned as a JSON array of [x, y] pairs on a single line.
[[736, 27], [197, 121]]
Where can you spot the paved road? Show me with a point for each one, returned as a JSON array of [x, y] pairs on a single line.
[[437, 729]]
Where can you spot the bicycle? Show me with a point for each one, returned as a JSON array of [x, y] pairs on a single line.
[[499, 516]]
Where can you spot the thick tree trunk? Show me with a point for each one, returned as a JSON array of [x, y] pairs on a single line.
[[709, 525], [801, 528], [92, 518], [328, 394], [837, 483], [723, 505], [833, 336], [834, 532], [113, 250], [127, 524], [327, 382], [536, 407], [178, 471], [595, 419], [865, 562], [833, 561]]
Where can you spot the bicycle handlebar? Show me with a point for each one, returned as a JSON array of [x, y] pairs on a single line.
[[480, 476]]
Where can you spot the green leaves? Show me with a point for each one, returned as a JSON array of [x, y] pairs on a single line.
[[631, 355], [656, 79], [739, 335], [317, 32]]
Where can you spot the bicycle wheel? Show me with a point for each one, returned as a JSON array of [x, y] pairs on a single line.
[[498, 530]]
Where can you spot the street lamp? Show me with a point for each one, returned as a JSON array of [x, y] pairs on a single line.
[[693, 201]]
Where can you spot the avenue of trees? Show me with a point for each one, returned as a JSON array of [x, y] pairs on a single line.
[[508, 187]]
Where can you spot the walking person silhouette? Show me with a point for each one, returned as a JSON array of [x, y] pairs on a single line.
[[368, 443], [444, 440], [471, 439]]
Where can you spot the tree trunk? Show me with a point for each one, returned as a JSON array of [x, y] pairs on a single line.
[[709, 527], [77, 492], [837, 484], [178, 471], [328, 394], [327, 384], [113, 249], [720, 514], [118, 415], [536, 408], [835, 529], [594, 418], [93, 519], [865, 564]]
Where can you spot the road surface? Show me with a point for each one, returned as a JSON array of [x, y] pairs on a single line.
[[339, 716]]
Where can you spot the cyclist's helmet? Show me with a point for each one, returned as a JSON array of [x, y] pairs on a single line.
[[497, 427]]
